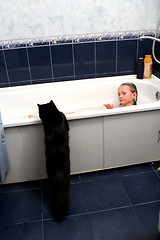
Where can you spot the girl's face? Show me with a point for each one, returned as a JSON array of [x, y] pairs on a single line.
[[126, 97]]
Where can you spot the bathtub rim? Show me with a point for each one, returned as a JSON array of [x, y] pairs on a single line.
[[88, 114], [91, 114]]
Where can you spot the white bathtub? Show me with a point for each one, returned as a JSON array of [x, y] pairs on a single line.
[[100, 138]]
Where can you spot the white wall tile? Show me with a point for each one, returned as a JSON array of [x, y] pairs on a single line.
[[40, 18]]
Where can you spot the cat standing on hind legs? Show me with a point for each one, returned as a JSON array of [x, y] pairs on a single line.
[[56, 129]]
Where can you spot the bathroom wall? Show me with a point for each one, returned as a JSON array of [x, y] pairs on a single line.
[[45, 41], [23, 19], [156, 66]]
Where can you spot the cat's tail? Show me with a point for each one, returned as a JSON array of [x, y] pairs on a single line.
[[61, 197], [61, 207]]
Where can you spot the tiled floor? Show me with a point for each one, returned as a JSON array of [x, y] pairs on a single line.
[[118, 204]]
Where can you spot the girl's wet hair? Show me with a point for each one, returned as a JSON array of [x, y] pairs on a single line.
[[133, 89]]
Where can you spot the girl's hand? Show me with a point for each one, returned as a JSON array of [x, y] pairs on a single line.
[[32, 116], [109, 106]]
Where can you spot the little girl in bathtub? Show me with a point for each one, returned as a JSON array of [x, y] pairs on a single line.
[[127, 94]]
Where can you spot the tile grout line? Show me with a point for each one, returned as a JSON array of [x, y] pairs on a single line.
[[87, 213], [21, 190], [145, 203], [29, 66], [138, 220], [138, 173], [81, 214], [156, 171], [51, 62], [110, 209], [140, 204], [20, 223], [6, 67], [124, 188]]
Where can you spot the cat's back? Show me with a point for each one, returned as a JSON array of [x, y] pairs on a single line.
[[58, 134]]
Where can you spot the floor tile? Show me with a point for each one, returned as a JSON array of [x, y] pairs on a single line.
[[142, 188], [120, 224], [72, 228], [75, 178], [77, 204], [45, 183], [26, 231], [17, 207], [47, 203], [105, 194], [156, 165], [100, 207], [158, 173], [97, 175], [21, 186], [148, 215], [140, 168]]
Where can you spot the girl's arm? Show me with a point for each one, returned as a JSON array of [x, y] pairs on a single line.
[[109, 106]]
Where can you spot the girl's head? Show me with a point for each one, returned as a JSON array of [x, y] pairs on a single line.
[[127, 93]]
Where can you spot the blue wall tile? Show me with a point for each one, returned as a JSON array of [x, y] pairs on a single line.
[[40, 62], [127, 56], [3, 73], [145, 47], [62, 79], [17, 65], [84, 57], [105, 57], [66, 61], [39, 81], [156, 66], [62, 60]]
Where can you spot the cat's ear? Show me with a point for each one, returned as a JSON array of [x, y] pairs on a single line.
[[51, 101], [38, 104]]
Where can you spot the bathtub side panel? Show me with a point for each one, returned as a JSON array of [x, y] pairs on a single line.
[[119, 140], [148, 136], [26, 152], [86, 143], [131, 138], [26, 149]]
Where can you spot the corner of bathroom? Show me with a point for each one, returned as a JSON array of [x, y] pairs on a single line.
[[77, 53]]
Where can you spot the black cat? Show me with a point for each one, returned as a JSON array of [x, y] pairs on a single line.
[[56, 130]]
